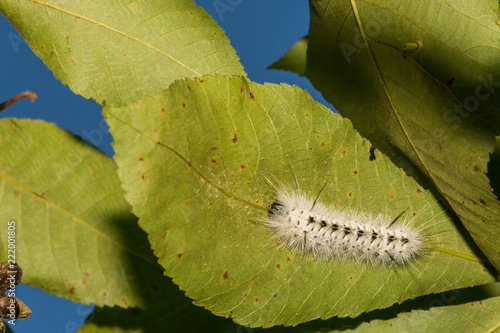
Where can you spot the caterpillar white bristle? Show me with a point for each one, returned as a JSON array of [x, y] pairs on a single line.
[[310, 227]]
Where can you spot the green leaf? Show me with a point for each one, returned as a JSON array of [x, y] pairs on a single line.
[[481, 316], [196, 178], [433, 109], [74, 233], [120, 50], [295, 59], [175, 313]]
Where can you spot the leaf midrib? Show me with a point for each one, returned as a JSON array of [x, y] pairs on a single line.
[[105, 26], [387, 93], [189, 163], [435, 178], [382, 81], [74, 217]]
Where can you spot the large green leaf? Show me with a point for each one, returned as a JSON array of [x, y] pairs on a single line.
[[74, 233], [196, 177], [120, 50], [434, 109], [474, 317]]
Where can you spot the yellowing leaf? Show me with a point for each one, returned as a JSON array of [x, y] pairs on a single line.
[[74, 234], [421, 80], [119, 50], [196, 177]]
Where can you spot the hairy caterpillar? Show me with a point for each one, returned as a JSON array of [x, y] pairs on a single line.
[[309, 226]]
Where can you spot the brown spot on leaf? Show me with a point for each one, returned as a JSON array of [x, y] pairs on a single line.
[[257, 300], [141, 159], [288, 259], [225, 275], [450, 81], [477, 169], [235, 138], [243, 167], [343, 153], [278, 266], [213, 148], [183, 105], [242, 89], [125, 54], [355, 172], [252, 97], [350, 194], [179, 256], [418, 190], [16, 193], [214, 160], [72, 290], [482, 201]]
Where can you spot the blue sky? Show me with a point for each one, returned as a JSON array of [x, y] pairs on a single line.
[[261, 31]]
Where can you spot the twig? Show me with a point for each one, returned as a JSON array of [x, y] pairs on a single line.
[[12, 100]]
